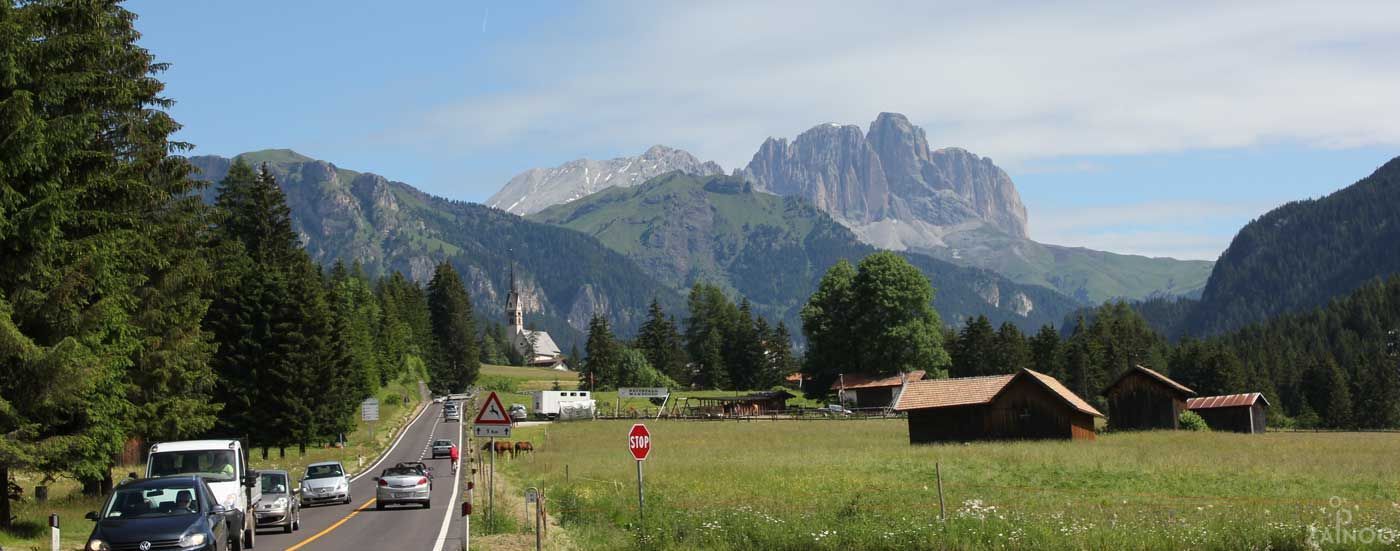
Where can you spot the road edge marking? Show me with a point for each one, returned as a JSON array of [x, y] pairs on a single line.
[[332, 527], [451, 502]]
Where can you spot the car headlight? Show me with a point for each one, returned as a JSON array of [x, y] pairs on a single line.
[[231, 501], [97, 545], [341, 485], [281, 503], [192, 540]]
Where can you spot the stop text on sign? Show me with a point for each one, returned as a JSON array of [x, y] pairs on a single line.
[[640, 442]]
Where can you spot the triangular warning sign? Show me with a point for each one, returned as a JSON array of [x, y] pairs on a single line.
[[492, 412]]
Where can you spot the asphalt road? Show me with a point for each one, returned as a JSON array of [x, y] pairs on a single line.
[[359, 526]]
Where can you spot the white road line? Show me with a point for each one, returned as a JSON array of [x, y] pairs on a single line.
[[451, 503], [390, 450]]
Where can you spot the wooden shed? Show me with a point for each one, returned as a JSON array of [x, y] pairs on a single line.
[[1025, 405], [867, 391], [1143, 399], [758, 403], [1234, 412]]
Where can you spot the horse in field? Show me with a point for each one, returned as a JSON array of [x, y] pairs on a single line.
[[522, 447]]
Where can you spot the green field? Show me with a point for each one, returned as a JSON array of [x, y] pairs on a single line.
[[860, 485], [515, 384], [31, 518]]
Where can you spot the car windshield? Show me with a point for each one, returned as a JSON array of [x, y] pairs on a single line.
[[215, 465], [273, 483], [442, 443], [323, 471], [160, 502], [400, 471]]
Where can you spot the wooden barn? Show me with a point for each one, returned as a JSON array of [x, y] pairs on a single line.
[[758, 403], [1025, 405], [863, 391], [1234, 412], [1143, 399]]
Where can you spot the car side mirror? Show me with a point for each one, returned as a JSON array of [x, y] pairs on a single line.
[[250, 479], [91, 515], [218, 510]]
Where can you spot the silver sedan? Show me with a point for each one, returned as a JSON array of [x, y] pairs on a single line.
[[402, 485]]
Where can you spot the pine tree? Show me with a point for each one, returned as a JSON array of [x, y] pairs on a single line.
[[975, 351], [600, 371], [712, 372], [660, 341], [454, 364], [87, 189], [1045, 353], [1012, 353]]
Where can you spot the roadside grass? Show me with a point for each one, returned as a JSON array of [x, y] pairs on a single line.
[[860, 485], [31, 531]]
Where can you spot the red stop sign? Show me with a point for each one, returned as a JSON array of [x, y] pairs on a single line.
[[639, 442]]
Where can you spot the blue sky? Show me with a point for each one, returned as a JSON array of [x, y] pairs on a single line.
[[1149, 128]]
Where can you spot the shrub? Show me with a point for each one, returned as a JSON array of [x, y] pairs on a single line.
[[499, 384], [1192, 421]]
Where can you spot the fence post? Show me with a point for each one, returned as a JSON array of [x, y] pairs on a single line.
[[938, 474], [53, 531]]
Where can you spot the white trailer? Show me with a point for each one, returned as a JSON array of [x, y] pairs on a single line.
[[549, 403], [224, 466]]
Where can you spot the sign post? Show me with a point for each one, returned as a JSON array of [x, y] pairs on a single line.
[[369, 413], [639, 443], [491, 422]]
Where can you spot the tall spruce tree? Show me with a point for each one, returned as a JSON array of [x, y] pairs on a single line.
[[454, 363], [600, 371], [1045, 354], [87, 189], [974, 353], [660, 341]]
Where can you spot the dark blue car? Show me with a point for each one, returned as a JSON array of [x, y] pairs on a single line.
[[160, 513]]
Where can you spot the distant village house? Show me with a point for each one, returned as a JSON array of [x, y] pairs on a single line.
[[863, 391]]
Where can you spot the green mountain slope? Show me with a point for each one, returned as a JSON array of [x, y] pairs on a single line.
[[565, 276], [1087, 275], [772, 250], [1305, 253]]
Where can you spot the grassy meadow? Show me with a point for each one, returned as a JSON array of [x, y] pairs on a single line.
[[514, 385], [860, 485]]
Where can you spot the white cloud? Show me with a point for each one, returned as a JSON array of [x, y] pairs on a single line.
[[1017, 82]]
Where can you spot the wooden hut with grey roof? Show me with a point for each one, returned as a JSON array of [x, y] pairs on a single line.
[[1021, 406]]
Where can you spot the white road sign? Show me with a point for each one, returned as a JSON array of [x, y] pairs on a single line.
[[643, 392], [491, 431], [369, 410]]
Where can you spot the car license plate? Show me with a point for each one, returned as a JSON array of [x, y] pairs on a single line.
[[402, 495]]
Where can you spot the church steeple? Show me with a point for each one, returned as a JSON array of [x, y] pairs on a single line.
[[515, 306]]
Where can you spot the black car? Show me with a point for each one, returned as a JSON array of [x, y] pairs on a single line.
[[177, 512]]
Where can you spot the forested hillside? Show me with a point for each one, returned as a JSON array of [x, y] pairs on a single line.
[[771, 250], [387, 226], [1303, 254]]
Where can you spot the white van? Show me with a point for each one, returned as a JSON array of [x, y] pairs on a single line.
[[224, 466]]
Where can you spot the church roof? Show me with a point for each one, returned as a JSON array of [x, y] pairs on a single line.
[[544, 344]]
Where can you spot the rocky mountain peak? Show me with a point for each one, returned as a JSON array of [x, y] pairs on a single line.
[[539, 188], [888, 173]]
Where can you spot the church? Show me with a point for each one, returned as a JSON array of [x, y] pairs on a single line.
[[537, 347]]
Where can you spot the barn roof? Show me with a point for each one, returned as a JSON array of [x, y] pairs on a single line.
[[966, 391], [1227, 401], [857, 381], [1163, 379]]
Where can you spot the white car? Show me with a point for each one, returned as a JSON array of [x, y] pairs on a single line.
[[325, 482]]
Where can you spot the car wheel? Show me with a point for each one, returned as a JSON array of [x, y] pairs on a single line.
[[428, 504], [235, 539], [379, 506], [252, 536], [296, 520], [288, 528]]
